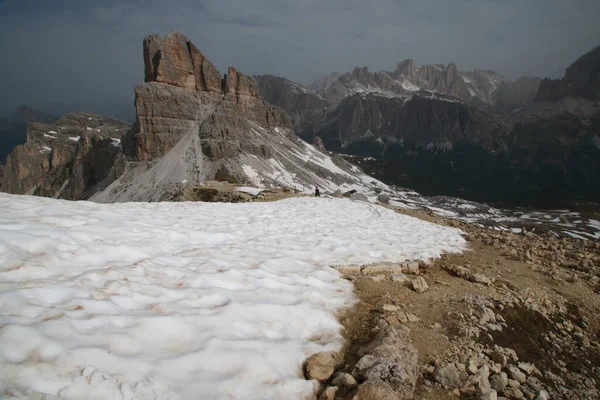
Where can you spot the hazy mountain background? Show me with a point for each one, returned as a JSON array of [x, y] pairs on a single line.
[[69, 55]]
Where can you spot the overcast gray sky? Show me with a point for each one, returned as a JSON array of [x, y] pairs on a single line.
[[66, 55]]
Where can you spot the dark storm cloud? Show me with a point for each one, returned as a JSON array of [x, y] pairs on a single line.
[[63, 55]]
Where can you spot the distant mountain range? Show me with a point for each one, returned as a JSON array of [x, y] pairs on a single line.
[[478, 87], [432, 128], [470, 134]]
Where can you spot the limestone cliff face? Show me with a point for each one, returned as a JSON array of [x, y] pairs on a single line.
[[182, 89], [304, 106], [421, 121], [78, 154]]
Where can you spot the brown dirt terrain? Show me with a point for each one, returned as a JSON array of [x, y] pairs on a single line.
[[548, 305]]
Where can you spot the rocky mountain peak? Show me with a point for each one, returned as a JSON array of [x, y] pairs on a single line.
[[406, 67], [175, 61]]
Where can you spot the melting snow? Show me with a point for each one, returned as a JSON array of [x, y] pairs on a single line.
[[250, 190], [75, 138], [50, 136], [173, 300]]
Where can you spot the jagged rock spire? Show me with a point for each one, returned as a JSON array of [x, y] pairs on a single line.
[[175, 61]]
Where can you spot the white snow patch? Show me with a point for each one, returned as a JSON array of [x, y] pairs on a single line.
[[251, 174], [75, 138], [407, 85], [89, 129], [52, 132], [50, 136], [250, 190], [170, 300]]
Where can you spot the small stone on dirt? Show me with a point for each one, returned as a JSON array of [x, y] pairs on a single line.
[[480, 278], [344, 379], [389, 308], [329, 393], [419, 285], [399, 278], [412, 317]]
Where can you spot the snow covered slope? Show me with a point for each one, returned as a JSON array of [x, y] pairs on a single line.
[[174, 300]]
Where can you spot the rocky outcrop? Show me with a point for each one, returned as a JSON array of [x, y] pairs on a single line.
[[13, 130], [304, 106], [582, 80], [165, 112], [191, 129], [79, 154], [176, 61]]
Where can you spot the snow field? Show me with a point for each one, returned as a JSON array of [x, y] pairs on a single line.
[[184, 300]]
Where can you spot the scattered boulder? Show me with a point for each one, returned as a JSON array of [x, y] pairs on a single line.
[[389, 364], [447, 376], [486, 393], [359, 197], [376, 389], [320, 366], [383, 198], [329, 393], [399, 278], [499, 381], [516, 374], [344, 379], [382, 268]]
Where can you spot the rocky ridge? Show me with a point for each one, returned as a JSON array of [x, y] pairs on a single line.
[[478, 87], [68, 159]]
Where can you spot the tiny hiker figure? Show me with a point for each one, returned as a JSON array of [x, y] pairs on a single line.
[[317, 193]]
